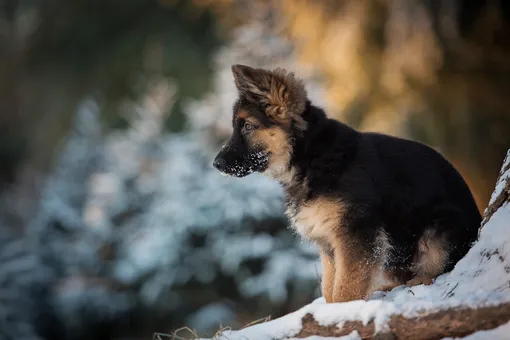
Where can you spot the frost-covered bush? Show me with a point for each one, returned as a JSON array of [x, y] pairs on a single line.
[[25, 286], [60, 218]]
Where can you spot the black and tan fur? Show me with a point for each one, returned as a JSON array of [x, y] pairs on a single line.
[[384, 211]]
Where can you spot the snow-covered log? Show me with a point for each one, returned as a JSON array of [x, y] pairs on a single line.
[[472, 301]]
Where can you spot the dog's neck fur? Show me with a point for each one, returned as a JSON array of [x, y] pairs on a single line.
[[317, 136]]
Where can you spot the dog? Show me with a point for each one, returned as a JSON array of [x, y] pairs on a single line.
[[383, 211]]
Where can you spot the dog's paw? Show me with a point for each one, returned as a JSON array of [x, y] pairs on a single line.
[[420, 280]]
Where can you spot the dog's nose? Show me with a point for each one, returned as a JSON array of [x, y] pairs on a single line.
[[219, 163]]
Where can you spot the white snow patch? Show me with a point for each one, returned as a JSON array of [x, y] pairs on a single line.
[[504, 175], [281, 328]]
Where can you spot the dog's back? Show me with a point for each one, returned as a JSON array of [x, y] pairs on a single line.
[[419, 189], [415, 170]]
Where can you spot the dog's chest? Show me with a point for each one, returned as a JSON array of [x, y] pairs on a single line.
[[317, 219]]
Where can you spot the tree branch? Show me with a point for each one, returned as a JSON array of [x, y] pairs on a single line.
[[503, 196], [454, 322]]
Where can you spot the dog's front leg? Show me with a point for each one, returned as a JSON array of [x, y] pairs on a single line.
[[328, 275], [353, 273]]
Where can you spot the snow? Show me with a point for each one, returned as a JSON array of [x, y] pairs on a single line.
[[499, 333], [479, 279], [503, 177]]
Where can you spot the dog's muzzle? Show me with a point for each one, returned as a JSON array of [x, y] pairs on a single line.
[[219, 163]]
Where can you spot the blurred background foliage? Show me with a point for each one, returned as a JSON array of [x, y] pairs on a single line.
[[112, 222], [55, 51]]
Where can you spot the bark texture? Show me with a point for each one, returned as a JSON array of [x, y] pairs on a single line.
[[430, 326]]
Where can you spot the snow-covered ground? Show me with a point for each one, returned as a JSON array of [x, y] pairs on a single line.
[[480, 279]]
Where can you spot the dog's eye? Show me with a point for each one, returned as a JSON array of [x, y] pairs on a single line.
[[248, 127]]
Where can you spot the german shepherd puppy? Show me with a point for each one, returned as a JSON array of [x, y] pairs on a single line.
[[384, 211]]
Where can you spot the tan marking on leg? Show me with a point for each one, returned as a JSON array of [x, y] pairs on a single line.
[[319, 220], [328, 276], [420, 280], [430, 260], [353, 272], [382, 279], [388, 287]]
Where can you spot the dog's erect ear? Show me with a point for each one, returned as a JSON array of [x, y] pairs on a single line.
[[279, 92], [248, 79]]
